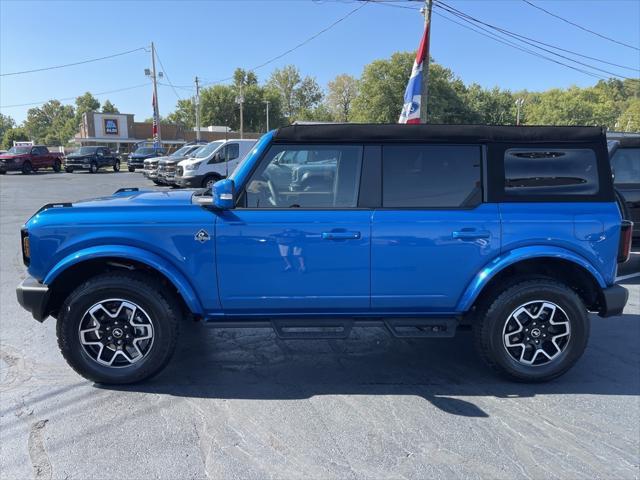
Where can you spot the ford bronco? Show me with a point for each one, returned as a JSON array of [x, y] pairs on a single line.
[[512, 232]]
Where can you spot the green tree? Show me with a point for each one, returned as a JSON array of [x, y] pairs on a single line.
[[343, 90], [492, 107], [629, 120], [184, 114], [17, 134], [297, 94], [85, 103], [51, 123], [6, 123], [108, 107]]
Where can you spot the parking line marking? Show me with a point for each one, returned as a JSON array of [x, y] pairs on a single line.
[[627, 277]]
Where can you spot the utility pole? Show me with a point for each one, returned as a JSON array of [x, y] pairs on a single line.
[[267, 102], [426, 10], [519, 104], [240, 100], [197, 109], [156, 110]]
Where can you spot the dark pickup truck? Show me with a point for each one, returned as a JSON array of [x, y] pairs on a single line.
[[92, 159], [30, 158], [137, 158]]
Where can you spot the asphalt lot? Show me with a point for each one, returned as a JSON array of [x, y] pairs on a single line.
[[243, 404]]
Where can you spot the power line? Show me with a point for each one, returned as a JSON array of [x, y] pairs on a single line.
[[164, 70], [580, 26], [74, 63], [524, 39], [301, 44], [73, 98]]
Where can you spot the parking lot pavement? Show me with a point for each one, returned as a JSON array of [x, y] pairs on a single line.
[[243, 404]]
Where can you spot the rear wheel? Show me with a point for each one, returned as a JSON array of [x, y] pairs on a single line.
[[118, 328], [116, 166], [57, 166], [68, 170], [533, 331], [27, 168]]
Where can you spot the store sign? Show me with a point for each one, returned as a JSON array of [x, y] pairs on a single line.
[[111, 126]]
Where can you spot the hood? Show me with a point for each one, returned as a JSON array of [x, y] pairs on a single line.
[[80, 155], [154, 159], [171, 160], [12, 156], [139, 198]]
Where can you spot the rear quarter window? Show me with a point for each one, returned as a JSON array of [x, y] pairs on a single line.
[[544, 172]]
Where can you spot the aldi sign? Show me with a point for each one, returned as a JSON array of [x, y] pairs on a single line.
[[111, 126]]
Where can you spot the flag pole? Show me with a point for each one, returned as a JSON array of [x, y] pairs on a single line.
[[426, 11]]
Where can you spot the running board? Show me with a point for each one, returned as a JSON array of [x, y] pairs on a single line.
[[421, 327], [289, 329]]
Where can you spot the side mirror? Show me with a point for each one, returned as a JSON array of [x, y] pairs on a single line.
[[223, 192]]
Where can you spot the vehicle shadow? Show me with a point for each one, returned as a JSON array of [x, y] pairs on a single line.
[[255, 364]]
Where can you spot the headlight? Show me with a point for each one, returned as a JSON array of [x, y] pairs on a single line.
[[192, 166]]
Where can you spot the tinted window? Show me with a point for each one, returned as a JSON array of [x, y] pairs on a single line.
[[544, 171], [626, 165], [321, 176], [431, 176]]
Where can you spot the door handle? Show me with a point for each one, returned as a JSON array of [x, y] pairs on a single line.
[[471, 234], [340, 235]]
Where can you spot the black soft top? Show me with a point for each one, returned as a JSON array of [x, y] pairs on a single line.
[[359, 132]]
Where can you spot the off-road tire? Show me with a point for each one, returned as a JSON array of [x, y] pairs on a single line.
[[493, 313], [27, 168], [161, 305], [57, 166]]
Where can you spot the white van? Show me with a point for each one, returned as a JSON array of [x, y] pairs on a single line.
[[214, 161]]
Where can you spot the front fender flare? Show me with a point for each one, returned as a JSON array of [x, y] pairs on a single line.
[[517, 255], [131, 253]]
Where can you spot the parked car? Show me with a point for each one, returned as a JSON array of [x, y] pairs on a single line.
[[92, 159], [511, 231], [137, 158], [215, 161], [154, 165], [625, 163], [30, 158]]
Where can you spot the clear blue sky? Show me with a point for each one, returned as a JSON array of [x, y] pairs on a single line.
[[212, 38]]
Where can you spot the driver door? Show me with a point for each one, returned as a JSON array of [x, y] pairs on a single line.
[[297, 248]]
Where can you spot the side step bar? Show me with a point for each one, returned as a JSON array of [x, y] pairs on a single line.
[[289, 329]]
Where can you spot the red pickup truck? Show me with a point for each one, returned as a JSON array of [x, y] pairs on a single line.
[[27, 159]]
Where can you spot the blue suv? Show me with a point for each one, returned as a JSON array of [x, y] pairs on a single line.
[[513, 232]]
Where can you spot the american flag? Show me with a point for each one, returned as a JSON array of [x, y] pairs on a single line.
[[411, 108], [154, 104]]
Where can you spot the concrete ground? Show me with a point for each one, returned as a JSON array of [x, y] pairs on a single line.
[[243, 404]]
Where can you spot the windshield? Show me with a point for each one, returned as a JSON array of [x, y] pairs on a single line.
[[195, 151], [86, 150], [19, 150], [181, 152], [208, 149], [144, 151]]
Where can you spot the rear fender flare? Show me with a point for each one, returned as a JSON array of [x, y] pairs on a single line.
[[476, 286]]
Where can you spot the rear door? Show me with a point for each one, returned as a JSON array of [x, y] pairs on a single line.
[[433, 233], [290, 251]]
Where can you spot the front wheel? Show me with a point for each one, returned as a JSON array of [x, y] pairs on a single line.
[[533, 331], [132, 169], [116, 166], [27, 168], [57, 166], [68, 170], [118, 328], [93, 168], [209, 181]]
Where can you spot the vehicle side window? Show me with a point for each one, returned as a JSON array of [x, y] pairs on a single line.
[[233, 151], [550, 171], [431, 176], [100, 152], [329, 177], [35, 151], [626, 165]]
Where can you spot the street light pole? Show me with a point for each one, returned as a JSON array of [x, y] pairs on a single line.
[[426, 10], [156, 110], [240, 100], [197, 109], [267, 102], [519, 104]]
